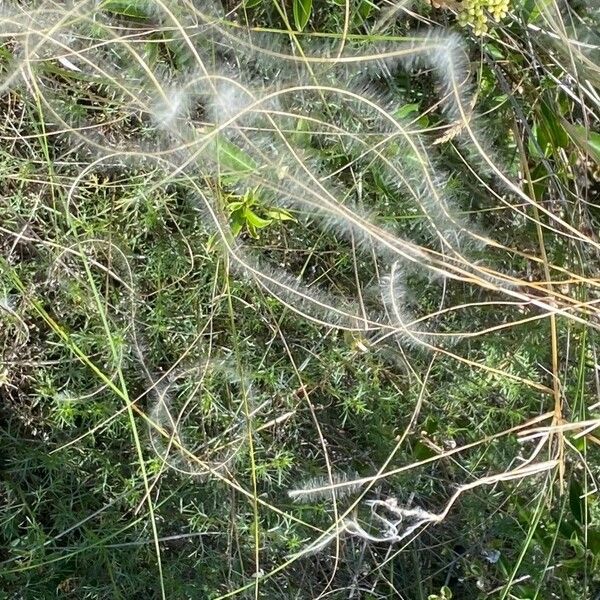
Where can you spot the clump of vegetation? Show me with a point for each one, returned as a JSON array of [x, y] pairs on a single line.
[[299, 300]]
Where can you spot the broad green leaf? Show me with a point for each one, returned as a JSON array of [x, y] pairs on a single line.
[[302, 134], [588, 141], [543, 139], [237, 223], [551, 121], [421, 451], [406, 110], [365, 8], [423, 121], [236, 205], [495, 52], [539, 135], [233, 159], [446, 592], [593, 541], [253, 219], [533, 9], [280, 214], [126, 8], [539, 180], [302, 11], [576, 502], [579, 443]]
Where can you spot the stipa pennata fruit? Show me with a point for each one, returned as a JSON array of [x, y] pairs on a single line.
[[475, 13]]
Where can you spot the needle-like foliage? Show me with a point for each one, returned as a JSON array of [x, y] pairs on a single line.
[[299, 300]]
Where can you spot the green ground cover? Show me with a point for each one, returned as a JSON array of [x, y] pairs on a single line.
[[299, 299]]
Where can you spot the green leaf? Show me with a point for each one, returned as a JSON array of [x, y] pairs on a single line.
[[540, 136], [302, 10], [237, 223], [551, 122], [593, 541], [126, 8], [539, 180], [576, 501], [406, 110], [253, 219], [280, 214], [421, 451], [235, 205], [495, 52], [533, 9], [579, 443], [302, 135], [446, 592], [588, 141], [233, 159], [365, 8], [423, 121]]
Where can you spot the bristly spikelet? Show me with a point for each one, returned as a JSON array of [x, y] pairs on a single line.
[[375, 139], [394, 298], [314, 304], [260, 119], [172, 104], [229, 102], [341, 485], [160, 414], [172, 439]]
